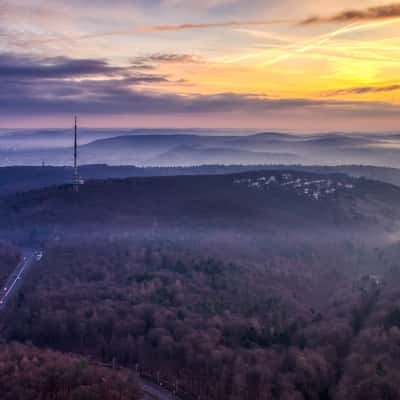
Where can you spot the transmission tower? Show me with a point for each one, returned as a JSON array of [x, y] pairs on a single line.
[[76, 172]]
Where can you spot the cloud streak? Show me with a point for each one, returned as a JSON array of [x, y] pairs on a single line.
[[383, 12], [355, 15], [167, 58], [361, 90], [389, 11], [174, 28], [226, 24]]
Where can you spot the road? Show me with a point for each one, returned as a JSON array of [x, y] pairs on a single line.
[[14, 281], [151, 391]]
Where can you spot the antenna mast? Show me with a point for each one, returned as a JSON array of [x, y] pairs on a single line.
[[76, 173]]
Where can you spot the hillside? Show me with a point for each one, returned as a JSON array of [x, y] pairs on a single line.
[[280, 273], [263, 201], [20, 179], [9, 258]]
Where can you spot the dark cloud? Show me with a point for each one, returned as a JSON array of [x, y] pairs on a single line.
[[31, 85], [371, 13], [111, 97], [47, 89], [17, 70], [362, 90], [12, 66]]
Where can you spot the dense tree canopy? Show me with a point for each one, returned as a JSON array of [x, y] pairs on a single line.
[[27, 373], [9, 257], [292, 326]]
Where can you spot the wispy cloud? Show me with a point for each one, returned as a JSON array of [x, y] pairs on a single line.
[[384, 12], [361, 90], [389, 11], [226, 24], [176, 28], [167, 58], [301, 47], [355, 15], [351, 15]]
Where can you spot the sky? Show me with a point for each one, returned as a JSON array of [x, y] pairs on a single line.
[[294, 65]]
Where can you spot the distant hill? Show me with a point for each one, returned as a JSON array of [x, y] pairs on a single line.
[[192, 155], [195, 147], [339, 140], [192, 149], [25, 139], [53, 138]]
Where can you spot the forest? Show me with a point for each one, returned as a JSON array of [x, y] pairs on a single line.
[[263, 285], [305, 323], [30, 373], [9, 258], [15, 179]]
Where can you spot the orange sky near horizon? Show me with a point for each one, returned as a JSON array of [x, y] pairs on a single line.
[[315, 65]]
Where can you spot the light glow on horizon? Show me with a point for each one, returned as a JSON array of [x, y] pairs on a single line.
[[342, 74]]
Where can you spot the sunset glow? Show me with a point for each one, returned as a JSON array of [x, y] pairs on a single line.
[[295, 65]]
